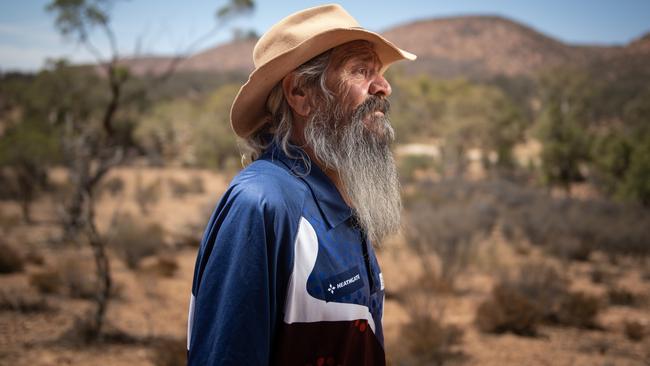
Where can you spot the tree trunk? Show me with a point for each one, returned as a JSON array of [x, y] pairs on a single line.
[[103, 271]]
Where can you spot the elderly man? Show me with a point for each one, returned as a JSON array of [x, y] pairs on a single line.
[[286, 273]]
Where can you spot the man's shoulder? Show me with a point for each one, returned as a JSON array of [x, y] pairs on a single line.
[[267, 184]]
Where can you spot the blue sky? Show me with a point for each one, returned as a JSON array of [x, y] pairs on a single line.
[[28, 37]]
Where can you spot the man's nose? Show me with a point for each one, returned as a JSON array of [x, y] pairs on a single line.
[[380, 86]]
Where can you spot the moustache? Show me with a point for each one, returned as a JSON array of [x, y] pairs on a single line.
[[372, 104]]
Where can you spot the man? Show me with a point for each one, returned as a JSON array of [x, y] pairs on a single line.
[[286, 273]]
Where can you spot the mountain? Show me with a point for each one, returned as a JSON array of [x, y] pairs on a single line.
[[470, 46]]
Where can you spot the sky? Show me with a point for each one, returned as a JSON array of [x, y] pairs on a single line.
[[28, 36]]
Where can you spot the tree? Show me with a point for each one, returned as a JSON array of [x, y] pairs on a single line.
[[621, 154], [463, 115], [94, 144], [562, 126]]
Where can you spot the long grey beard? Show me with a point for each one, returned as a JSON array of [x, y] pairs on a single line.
[[363, 161]]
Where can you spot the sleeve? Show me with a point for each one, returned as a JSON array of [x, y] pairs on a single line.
[[240, 279]]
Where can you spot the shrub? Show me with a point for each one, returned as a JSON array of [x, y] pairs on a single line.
[[81, 332], [180, 188], [22, 301], [410, 165], [578, 309], [167, 265], [133, 241], [538, 294], [113, 185], [622, 296], [634, 330], [600, 275], [10, 260], [146, 195], [448, 223], [541, 283], [426, 338], [169, 352], [508, 310], [8, 222], [568, 228], [78, 278], [34, 257], [46, 282]]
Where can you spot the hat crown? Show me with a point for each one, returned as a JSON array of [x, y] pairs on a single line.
[[299, 27]]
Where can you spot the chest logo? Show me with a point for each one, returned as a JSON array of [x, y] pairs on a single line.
[[342, 284]]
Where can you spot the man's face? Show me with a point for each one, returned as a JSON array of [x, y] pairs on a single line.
[[355, 77]]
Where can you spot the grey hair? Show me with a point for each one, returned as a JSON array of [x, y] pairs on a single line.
[[278, 129]]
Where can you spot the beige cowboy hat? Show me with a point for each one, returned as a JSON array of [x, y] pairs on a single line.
[[288, 44]]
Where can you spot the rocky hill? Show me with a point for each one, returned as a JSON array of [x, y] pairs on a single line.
[[471, 46]]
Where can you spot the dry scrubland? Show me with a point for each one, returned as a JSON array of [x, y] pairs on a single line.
[[484, 273]]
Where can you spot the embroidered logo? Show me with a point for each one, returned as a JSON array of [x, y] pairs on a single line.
[[331, 289]]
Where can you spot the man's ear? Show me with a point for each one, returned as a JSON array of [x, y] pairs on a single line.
[[296, 97]]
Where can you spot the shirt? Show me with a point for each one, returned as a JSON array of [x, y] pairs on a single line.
[[284, 275]]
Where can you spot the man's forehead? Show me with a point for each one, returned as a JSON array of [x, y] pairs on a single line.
[[355, 50]]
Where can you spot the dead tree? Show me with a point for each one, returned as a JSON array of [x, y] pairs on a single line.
[[93, 149]]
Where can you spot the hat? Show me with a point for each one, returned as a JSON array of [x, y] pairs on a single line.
[[288, 44]]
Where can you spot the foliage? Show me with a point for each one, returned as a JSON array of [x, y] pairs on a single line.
[[537, 293], [462, 114], [194, 132], [565, 96], [448, 222], [459, 212]]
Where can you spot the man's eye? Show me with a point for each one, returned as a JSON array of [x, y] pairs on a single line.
[[363, 71]]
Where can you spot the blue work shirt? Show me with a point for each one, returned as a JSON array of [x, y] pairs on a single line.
[[284, 275]]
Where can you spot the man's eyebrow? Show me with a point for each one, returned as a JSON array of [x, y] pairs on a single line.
[[366, 58]]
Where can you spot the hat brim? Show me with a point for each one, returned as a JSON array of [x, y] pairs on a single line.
[[248, 112]]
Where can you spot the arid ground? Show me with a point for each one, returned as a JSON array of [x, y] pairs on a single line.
[[425, 322]]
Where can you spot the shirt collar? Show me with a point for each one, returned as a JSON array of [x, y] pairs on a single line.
[[326, 195]]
